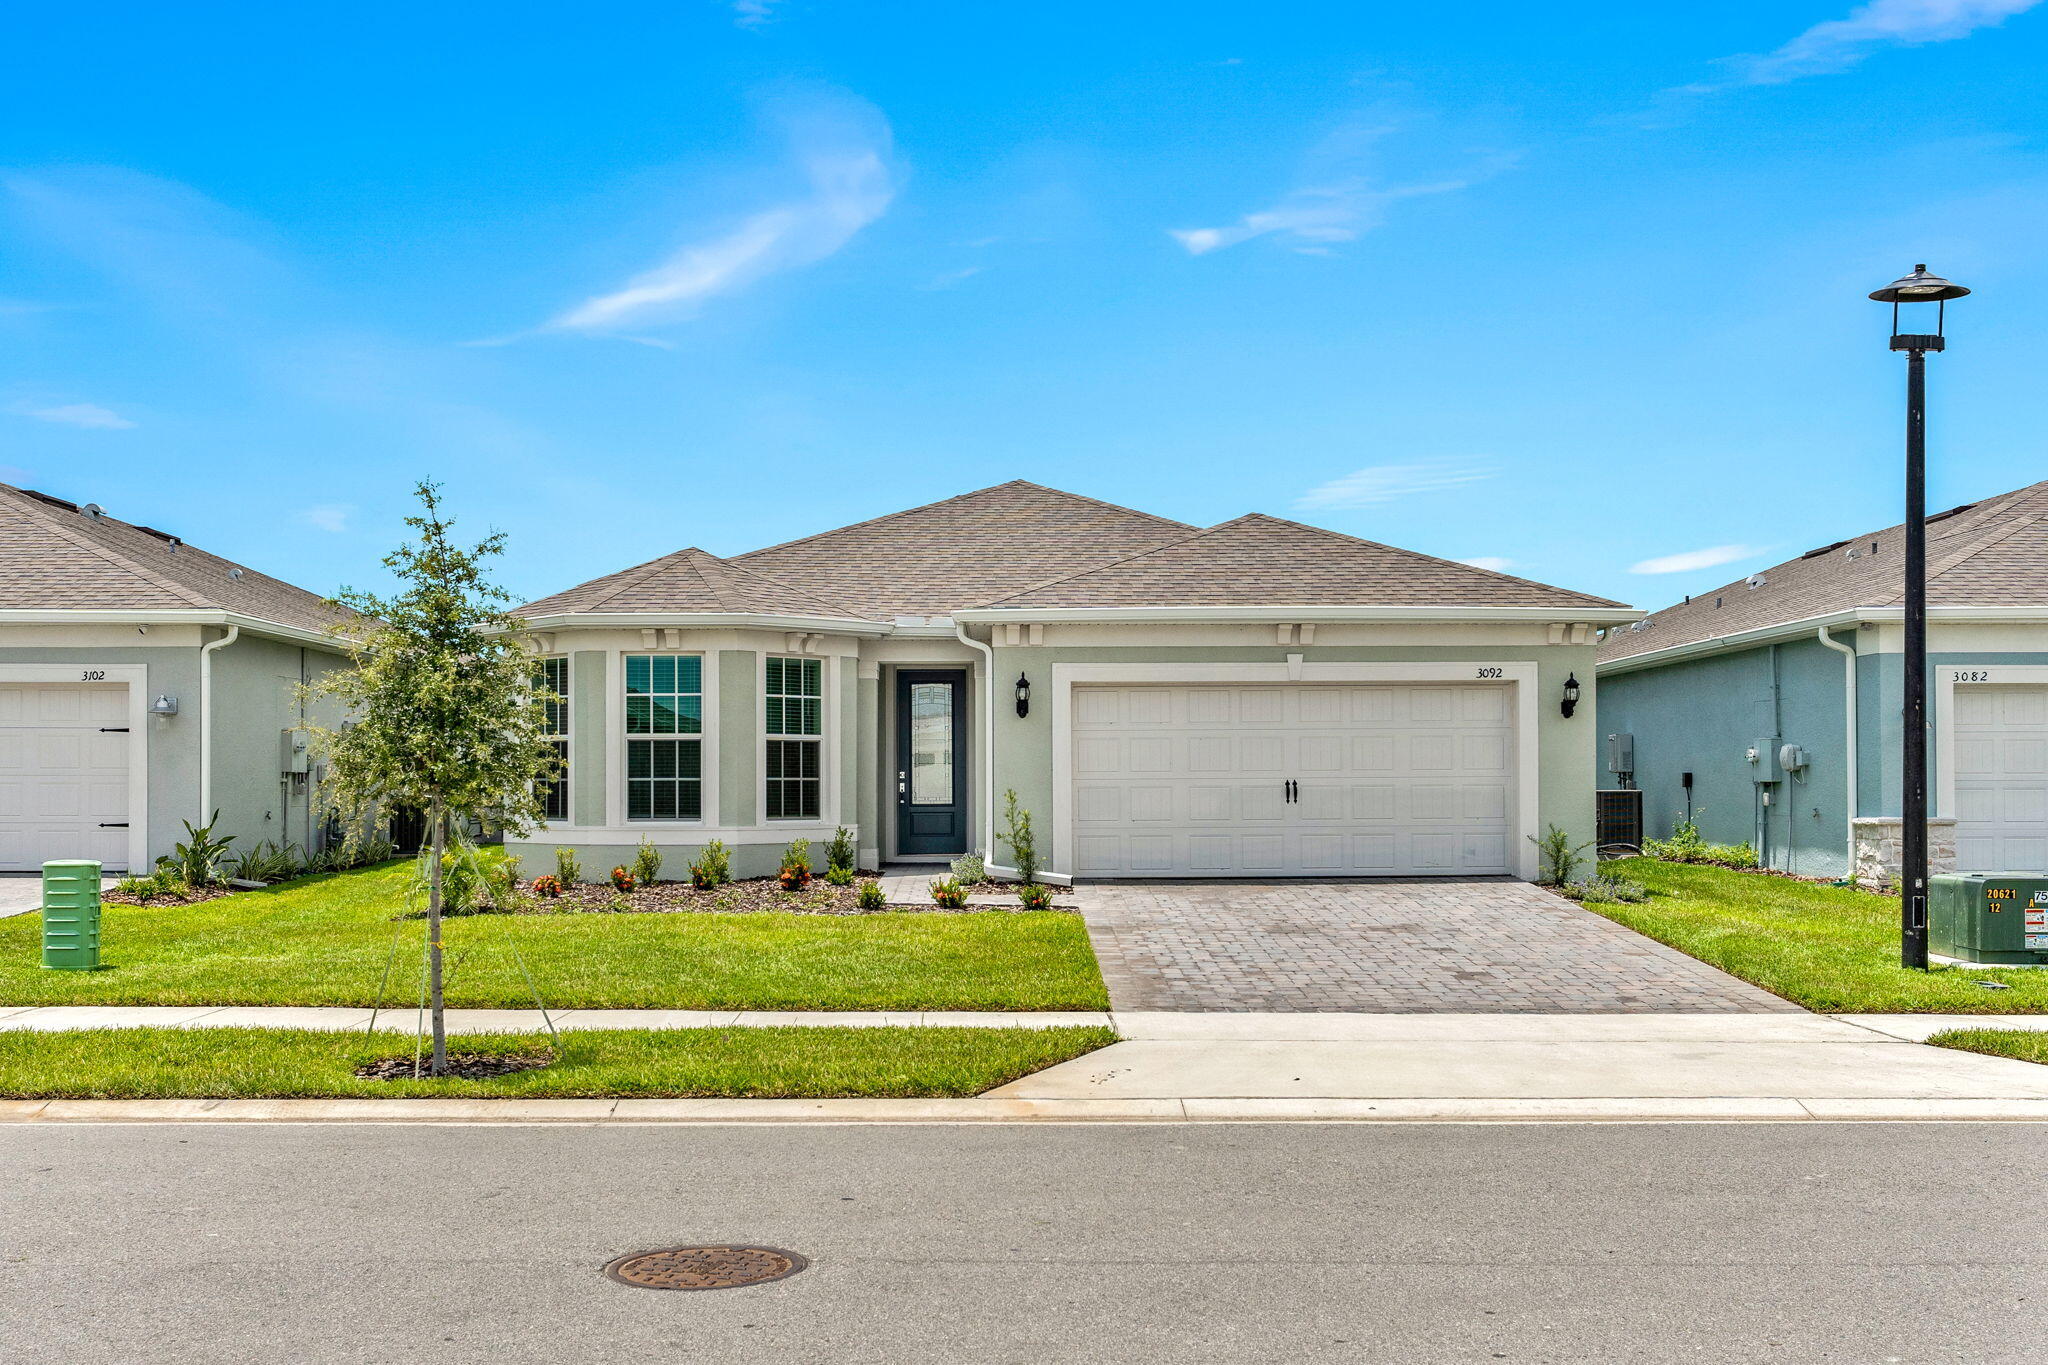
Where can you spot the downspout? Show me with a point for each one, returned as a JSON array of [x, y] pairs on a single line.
[[206, 720], [988, 739], [1849, 705]]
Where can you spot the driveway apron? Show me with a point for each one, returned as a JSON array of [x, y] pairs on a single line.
[[1436, 945]]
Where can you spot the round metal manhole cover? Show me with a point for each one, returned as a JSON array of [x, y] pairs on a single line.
[[708, 1267]]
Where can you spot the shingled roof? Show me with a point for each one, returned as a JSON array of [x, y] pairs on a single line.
[[1992, 553], [688, 582], [932, 560], [1258, 561], [56, 556]]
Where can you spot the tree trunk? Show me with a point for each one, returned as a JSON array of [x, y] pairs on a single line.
[[440, 823]]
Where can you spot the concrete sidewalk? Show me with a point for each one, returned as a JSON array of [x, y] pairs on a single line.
[[1223, 1067]]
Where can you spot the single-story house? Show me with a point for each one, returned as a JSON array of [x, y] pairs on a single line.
[[1258, 698], [145, 683], [1771, 708]]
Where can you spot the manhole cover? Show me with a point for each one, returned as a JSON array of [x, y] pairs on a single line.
[[714, 1267]]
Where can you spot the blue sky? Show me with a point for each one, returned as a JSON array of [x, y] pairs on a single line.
[[1578, 290]]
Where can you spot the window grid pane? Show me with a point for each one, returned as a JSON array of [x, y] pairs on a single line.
[[664, 776], [794, 691], [551, 679]]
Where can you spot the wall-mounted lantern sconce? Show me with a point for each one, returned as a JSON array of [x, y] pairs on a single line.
[[1023, 695], [1571, 696], [164, 707]]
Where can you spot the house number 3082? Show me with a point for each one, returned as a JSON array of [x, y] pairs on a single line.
[[93, 675], [1971, 675], [1489, 672]]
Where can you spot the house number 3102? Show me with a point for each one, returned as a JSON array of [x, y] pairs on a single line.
[[1489, 672], [93, 675]]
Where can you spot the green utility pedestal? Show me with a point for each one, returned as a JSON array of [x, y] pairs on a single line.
[[1991, 921], [71, 915]]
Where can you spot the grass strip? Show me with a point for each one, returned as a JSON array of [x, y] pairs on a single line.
[[1825, 947], [325, 940], [734, 1063], [2025, 1045]]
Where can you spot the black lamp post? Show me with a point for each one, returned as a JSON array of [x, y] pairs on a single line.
[[1918, 287]]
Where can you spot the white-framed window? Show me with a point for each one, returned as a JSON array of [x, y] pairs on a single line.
[[664, 737], [795, 693], [551, 677]]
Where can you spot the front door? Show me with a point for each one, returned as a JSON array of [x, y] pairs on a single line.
[[931, 762]]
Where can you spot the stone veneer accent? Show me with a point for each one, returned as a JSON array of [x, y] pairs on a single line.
[[1878, 853]]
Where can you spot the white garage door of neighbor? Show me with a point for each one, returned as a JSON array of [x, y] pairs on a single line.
[[1388, 780], [2001, 770], [63, 774]]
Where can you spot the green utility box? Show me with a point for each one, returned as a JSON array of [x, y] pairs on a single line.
[[71, 915], [1995, 921]]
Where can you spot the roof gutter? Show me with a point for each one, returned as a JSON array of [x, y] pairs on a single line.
[[1805, 626], [168, 616], [988, 738], [1593, 614]]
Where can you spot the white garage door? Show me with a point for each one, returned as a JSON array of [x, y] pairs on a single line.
[[63, 774], [1246, 781], [2001, 769]]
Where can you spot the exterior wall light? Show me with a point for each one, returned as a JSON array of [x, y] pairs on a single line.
[[164, 707], [1571, 696], [1023, 695]]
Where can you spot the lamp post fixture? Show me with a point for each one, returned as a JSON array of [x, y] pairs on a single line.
[[1918, 287]]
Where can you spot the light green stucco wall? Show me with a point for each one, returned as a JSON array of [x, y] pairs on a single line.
[[589, 746], [255, 683], [739, 709], [1565, 748]]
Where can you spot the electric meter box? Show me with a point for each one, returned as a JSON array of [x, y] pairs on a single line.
[[1990, 921]]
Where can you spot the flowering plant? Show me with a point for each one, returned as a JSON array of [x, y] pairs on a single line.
[[547, 886], [622, 880]]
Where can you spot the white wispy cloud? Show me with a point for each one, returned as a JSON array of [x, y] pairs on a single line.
[[1839, 44], [1384, 483], [1493, 562], [752, 13], [840, 153], [947, 279], [1688, 560], [1336, 198], [89, 415], [328, 516]]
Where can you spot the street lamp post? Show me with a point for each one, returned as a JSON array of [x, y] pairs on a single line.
[[1918, 287]]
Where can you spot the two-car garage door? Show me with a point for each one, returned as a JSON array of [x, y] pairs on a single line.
[[1308, 780], [63, 774]]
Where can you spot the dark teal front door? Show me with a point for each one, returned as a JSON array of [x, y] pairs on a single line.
[[931, 762]]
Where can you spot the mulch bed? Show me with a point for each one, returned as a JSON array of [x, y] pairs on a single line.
[[465, 1066], [198, 894], [753, 895]]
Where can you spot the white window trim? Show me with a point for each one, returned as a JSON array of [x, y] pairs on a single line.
[[136, 677], [1943, 723], [1521, 676], [615, 722], [829, 719]]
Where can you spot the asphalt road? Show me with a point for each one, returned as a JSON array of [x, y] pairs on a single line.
[[1410, 1244]]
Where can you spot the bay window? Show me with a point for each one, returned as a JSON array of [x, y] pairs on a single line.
[[664, 737]]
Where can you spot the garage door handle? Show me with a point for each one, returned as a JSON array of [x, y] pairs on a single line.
[[113, 729], [1293, 790], [118, 824]]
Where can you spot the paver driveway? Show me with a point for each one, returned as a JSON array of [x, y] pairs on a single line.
[[1488, 945]]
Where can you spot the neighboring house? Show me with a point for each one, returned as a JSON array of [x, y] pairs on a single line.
[[143, 683], [1260, 698], [1807, 654]]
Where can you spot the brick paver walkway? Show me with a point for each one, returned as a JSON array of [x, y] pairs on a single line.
[[1423, 946]]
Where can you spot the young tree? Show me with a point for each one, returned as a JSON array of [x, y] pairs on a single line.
[[444, 715]]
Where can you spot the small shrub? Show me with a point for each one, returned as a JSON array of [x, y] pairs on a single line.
[[713, 868], [839, 854], [839, 876], [870, 897], [500, 873], [143, 888], [201, 859], [948, 893], [1609, 890], [646, 863], [622, 880], [970, 870], [547, 886], [1560, 857], [1035, 895], [266, 862], [567, 870], [1686, 845], [1019, 839], [795, 872]]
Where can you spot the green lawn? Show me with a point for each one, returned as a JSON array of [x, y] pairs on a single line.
[[325, 941], [1827, 948], [142, 1063], [2027, 1045]]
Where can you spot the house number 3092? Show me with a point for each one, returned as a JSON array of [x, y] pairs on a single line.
[[93, 675], [1489, 672]]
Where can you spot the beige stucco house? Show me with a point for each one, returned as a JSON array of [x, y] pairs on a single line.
[[1258, 698]]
